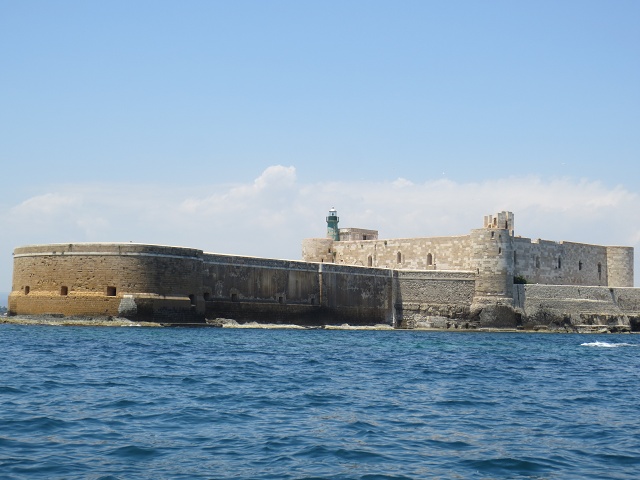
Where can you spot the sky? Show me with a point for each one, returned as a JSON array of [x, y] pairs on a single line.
[[234, 126]]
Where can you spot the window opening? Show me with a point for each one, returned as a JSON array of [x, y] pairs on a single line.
[[499, 250], [207, 296], [599, 271], [537, 262], [399, 258], [280, 299], [64, 290], [370, 261], [559, 262], [111, 291], [27, 290], [579, 265], [429, 259], [192, 299], [234, 297]]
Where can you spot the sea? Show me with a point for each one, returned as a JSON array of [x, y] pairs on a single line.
[[213, 403]]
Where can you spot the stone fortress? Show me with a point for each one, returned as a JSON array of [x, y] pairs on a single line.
[[492, 252], [489, 278]]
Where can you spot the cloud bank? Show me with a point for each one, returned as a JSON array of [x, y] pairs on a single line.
[[271, 214]]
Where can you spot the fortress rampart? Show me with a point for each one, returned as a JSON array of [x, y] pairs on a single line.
[[465, 281], [100, 278]]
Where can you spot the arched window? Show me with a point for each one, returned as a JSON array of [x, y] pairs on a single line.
[[429, 259], [370, 261], [399, 257]]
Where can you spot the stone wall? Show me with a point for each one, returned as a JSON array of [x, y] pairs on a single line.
[[282, 291], [93, 279], [572, 306], [173, 284], [432, 299], [618, 261], [560, 263], [318, 250], [443, 253]]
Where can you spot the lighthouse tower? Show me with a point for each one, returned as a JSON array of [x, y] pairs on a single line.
[[332, 225]]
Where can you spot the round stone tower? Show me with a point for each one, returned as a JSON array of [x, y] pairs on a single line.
[[492, 251], [332, 225], [136, 281]]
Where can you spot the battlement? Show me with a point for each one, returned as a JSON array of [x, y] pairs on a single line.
[[502, 220]]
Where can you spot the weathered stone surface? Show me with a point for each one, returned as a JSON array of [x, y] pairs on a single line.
[[461, 282]]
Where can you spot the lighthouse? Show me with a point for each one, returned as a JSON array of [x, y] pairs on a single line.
[[332, 225]]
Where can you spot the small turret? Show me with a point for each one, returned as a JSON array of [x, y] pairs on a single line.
[[332, 225], [501, 220]]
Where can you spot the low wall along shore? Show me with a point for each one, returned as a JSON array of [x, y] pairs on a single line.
[[173, 285]]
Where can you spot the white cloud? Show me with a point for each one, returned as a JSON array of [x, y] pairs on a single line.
[[46, 204], [270, 215]]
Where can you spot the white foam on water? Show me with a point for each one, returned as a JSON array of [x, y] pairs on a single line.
[[606, 344]]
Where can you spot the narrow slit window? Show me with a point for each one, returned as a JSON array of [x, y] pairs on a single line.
[[599, 271], [579, 265], [399, 257], [370, 261], [27, 290], [429, 259], [192, 299]]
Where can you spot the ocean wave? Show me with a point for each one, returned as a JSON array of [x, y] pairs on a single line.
[[607, 344]]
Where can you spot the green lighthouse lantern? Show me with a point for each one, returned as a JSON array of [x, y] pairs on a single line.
[[332, 225]]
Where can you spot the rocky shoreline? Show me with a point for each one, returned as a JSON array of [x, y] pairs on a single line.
[[62, 321]]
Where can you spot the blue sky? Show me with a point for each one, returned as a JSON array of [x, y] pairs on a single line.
[[233, 126]]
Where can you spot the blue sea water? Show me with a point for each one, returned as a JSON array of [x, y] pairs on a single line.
[[120, 403]]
